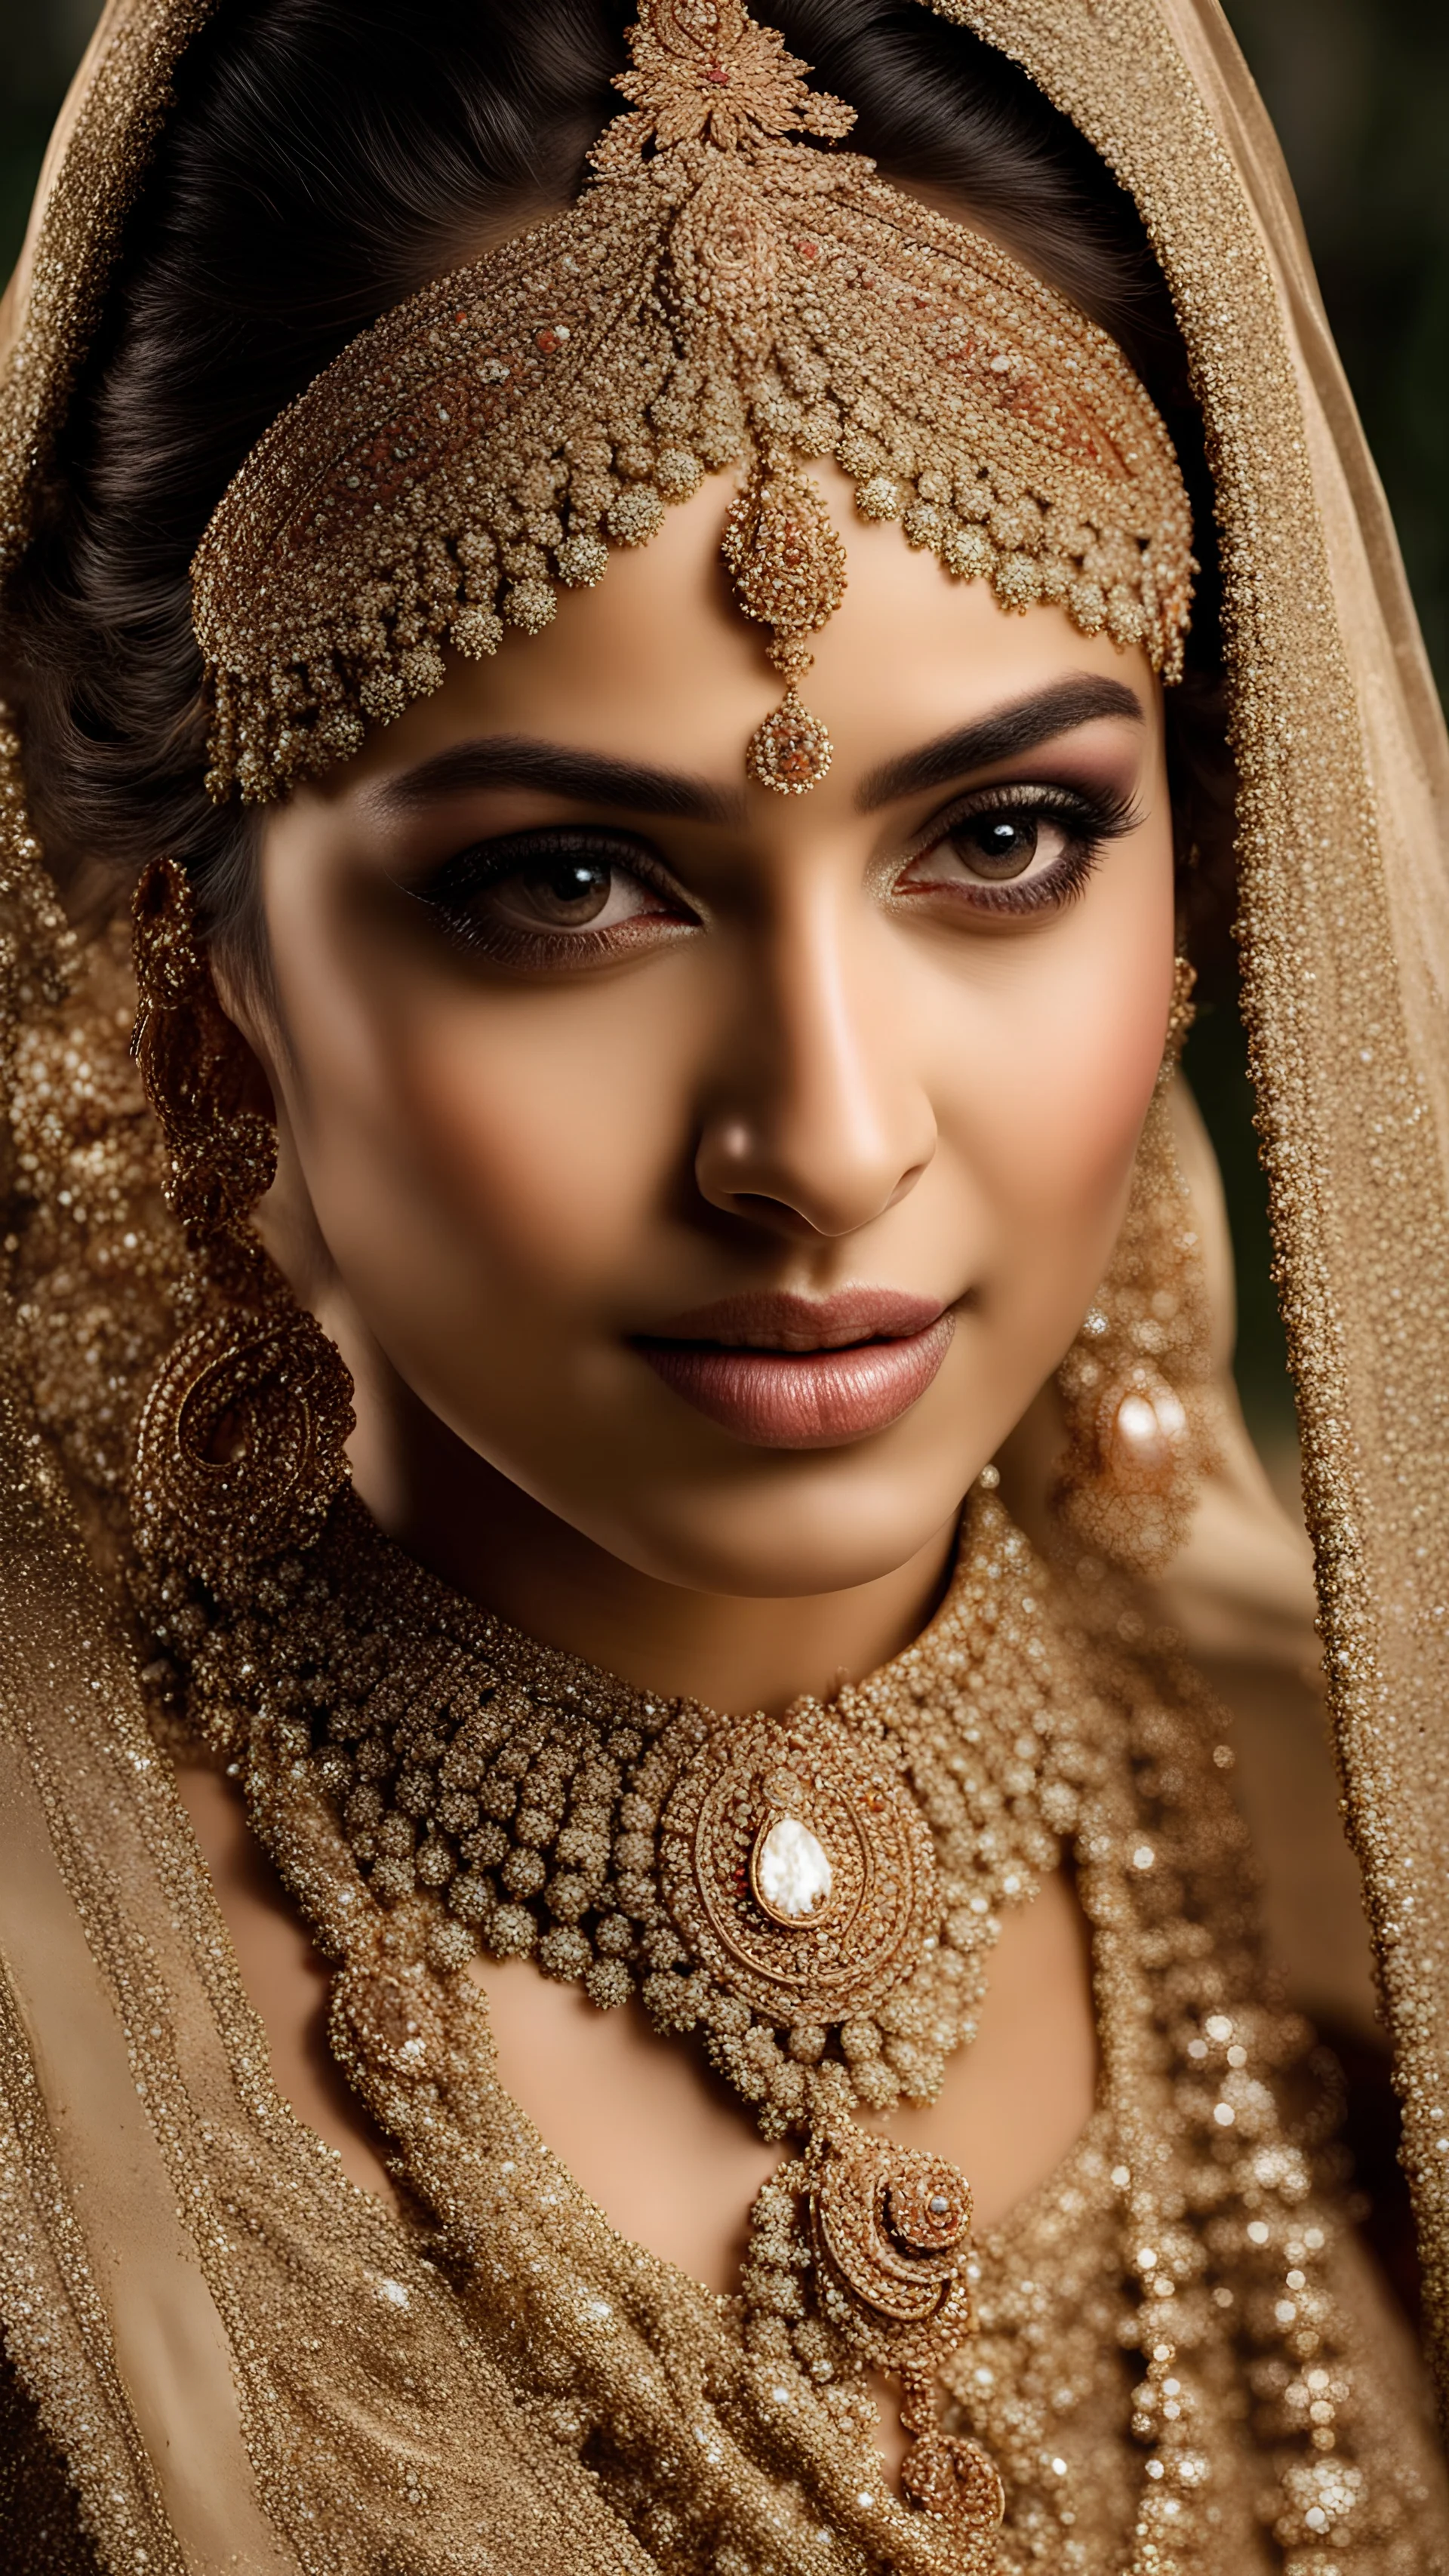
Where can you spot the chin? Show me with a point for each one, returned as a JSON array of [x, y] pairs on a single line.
[[816, 1524]]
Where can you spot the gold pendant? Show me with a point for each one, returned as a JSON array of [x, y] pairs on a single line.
[[878, 2236], [890, 2231], [791, 751], [890, 2234], [798, 1867]]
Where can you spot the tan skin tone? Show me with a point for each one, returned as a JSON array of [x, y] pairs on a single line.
[[899, 1033]]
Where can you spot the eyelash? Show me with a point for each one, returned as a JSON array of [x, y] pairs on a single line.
[[1094, 818], [1091, 819], [462, 879]]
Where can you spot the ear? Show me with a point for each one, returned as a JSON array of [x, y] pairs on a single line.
[[284, 1219], [244, 999]]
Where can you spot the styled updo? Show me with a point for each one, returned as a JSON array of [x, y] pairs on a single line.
[[325, 159]]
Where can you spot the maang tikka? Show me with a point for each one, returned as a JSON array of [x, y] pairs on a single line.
[[730, 294], [241, 1445]]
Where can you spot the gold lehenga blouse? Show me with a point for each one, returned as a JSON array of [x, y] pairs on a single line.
[[219, 2353]]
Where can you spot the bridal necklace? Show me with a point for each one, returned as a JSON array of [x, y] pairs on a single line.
[[811, 1898]]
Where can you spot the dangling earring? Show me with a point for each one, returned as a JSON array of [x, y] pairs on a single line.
[[1134, 1383], [240, 1451]]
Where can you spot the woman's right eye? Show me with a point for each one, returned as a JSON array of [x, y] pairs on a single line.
[[553, 898], [563, 893]]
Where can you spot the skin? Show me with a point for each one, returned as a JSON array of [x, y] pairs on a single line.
[[821, 1052]]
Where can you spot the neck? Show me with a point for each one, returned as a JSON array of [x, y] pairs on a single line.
[[488, 1539]]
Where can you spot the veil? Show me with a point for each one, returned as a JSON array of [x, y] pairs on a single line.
[[1344, 900], [124, 2036]]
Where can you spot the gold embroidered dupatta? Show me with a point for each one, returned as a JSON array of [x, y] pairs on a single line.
[[129, 2062]]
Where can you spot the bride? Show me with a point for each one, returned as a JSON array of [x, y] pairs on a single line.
[[636, 656]]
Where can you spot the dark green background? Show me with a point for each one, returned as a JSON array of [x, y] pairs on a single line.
[[1359, 90]]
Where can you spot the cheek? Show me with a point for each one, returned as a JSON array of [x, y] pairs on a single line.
[[518, 1150], [1048, 1108], [1068, 1122]]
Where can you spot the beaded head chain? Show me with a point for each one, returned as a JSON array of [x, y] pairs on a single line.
[[729, 292]]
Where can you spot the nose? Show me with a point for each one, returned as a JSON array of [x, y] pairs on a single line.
[[815, 1122]]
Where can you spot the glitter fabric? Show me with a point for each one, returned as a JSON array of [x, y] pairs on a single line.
[[1340, 746], [726, 294], [1178, 2365]]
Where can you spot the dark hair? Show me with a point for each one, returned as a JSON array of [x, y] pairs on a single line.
[[327, 157]]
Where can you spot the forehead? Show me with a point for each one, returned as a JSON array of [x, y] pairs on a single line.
[[657, 664]]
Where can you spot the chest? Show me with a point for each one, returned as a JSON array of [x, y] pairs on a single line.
[[665, 2150]]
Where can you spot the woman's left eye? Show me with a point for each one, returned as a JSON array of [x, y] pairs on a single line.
[[1013, 853]]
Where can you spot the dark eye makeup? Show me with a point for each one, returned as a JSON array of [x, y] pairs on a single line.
[[567, 896], [560, 895], [1016, 849]]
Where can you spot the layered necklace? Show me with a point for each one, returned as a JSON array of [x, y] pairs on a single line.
[[811, 1899]]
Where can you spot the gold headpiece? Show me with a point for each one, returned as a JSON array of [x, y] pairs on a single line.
[[722, 295]]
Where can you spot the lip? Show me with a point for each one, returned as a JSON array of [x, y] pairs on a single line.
[[783, 1371]]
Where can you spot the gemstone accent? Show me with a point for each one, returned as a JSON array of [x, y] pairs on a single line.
[[1145, 1431], [843, 1787], [1152, 1424], [792, 1873], [791, 751]]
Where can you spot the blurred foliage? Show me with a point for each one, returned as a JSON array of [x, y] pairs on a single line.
[[1359, 92], [41, 41]]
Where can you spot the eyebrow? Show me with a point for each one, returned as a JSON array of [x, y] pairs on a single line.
[[593, 778], [555, 768], [1005, 734]]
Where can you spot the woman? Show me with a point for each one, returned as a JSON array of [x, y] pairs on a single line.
[[650, 683]]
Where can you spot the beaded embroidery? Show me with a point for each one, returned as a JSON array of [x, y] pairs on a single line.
[[726, 294]]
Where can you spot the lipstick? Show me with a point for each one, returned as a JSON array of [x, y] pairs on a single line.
[[782, 1371]]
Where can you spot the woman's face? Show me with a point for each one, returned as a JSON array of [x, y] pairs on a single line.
[[729, 1170]]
